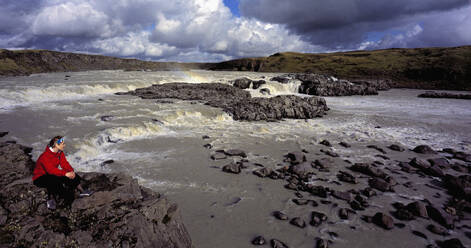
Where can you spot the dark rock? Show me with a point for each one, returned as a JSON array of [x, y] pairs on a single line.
[[326, 143], [441, 217], [296, 157], [347, 177], [323, 163], [438, 230], [110, 161], [263, 172], [277, 244], [368, 169], [343, 213], [397, 148], [451, 243], [368, 192], [346, 196], [119, 209], [301, 170], [406, 167], [257, 84], [318, 190], [345, 144], [441, 162], [418, 209], [265, 91], [458, 186], [355, 205], [382, 156], [399, 225], [2, 134], [417, 233], [433, 94], [284, 79], [377, 148], [330, 153], [218, 156], [317, 218], [235, 152], [259, 240], [420, 164], [232, 168], [291, 186], [403, 214], [322, 243], [106, 118], [242, 83], [237, 102], [424, 149], [435, 171], [462, 156], [205, 137], [208, 146], [298, 222], [380, 184], [301, 201], [280, 215], [383, 220]]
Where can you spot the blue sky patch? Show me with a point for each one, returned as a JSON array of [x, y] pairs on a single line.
[[233, 5]]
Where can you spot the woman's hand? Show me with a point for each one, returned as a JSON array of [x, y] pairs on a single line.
[[70, 174]]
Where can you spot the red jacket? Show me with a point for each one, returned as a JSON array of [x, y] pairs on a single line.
[[48, 163]]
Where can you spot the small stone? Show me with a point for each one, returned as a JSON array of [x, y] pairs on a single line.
[[300, 202], [322, 243], [205, 137], [355, 205], [377, 148], [347, 177], [232, 168], [397, 148], [345, 144], [317, 218], [106, 118], [208, 146], [326, 143], [418, 209], [343, 213], [380, 184], [383, 220], [218, 156], [346, 196], [441, 162], [424, 149], [2, 134], [451, 243], [107, 162], [235, 152], [298, 222], [280, 215], [259, 240], [438, 230], [296, 157], [263, 172], [277, 244], [402, 214]]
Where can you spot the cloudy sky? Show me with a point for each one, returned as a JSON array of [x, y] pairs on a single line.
[[216, 30]]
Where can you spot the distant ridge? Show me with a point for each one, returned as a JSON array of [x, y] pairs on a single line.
[[25, 62], [426, 68]]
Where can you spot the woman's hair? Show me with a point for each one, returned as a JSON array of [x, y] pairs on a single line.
[[54, 141]]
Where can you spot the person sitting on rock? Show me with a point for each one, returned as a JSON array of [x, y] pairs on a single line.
[[58, 181]]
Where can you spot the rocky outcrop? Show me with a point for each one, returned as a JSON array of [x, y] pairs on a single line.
[[237, 102], [433, 94], [323, 85], [120, 213], [245, 83]]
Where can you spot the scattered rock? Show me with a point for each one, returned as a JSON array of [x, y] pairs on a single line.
[[110, 161], [208, 146], [301, 170], [2, 134], [301, 201], [265, 91], [259, 240], [280, 215], [424, 149], [346, 196], [232, 168], [383, 220], [298, 222], [106, 118], [235, 152], [317, 218], [218, 156], [396, 147], [205, 137], [438, 230], [263, 172], [440, 162], [345, 144], [296, 157], [451, 243], [277, 244], [440, 216], [322, 243], [420, 164], [347, 177], [380, 184], [377, 148], [418, 209], [343, 213], [326, 143], [422, 235], [433, 94]]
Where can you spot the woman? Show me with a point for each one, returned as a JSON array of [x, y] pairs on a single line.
[[58, 181]]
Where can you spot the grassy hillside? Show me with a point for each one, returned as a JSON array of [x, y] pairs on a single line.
[[25, 62], [432, 68]]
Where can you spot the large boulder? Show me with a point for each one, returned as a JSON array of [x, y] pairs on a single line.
[[238, 103], [121, 213]]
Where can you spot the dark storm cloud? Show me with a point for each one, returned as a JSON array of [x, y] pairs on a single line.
[[16, 15], [344, 23]]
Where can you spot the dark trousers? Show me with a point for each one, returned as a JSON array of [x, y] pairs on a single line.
[[63, 187]]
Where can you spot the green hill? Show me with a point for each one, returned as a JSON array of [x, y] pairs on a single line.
[[429, 68]]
